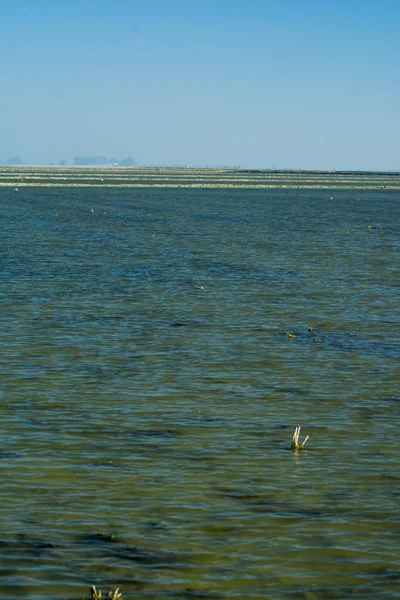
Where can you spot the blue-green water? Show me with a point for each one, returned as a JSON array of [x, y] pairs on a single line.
[[149, 393]]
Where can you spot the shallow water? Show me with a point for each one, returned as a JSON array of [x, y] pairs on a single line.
[[149, 393]]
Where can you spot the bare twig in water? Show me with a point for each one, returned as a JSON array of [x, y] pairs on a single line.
[[112, 595], [295, 441]]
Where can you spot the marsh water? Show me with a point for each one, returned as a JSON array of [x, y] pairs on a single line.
[[149, 393]]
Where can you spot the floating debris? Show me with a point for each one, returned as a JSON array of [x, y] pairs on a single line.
[[112, 595], [311, 329], [295, 441], [291, 336]]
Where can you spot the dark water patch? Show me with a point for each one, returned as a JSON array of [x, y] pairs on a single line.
[[108, 464], [207, 419], [160, 559], [153, 433], [7, 454], [199, 456], [284, 510], [390, 399], [290, 391], [385, 574], [339, 496], [99, 538], [24, 542], [260, 504], [238, 495], [193, 593], [317, 542], [391, 476], [114, 547], [157, 525], [326, 593]]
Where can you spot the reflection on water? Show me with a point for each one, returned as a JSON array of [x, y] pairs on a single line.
[[150, 392]]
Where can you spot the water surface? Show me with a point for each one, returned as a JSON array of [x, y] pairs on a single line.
[[149, 393]]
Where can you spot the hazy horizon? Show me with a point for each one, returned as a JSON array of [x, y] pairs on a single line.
[[195, 167], [294, 86]]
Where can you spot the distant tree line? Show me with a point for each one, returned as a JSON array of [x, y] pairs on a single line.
[[93, 161], [15, 160]]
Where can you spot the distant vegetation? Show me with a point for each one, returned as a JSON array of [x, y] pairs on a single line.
[[127, 162], [15, 160], [94, 161]]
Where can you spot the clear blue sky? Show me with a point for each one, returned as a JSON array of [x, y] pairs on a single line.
[[291, 83]]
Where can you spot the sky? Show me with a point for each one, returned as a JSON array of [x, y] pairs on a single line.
[[301, 84]]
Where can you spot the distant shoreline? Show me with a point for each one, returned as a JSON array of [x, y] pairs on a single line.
[[197, 178], [222, 169], [203, 186]]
